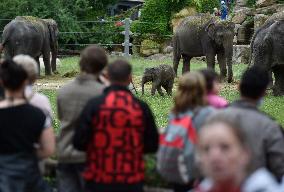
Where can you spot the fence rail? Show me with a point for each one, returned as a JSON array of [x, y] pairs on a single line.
[[126, 33]]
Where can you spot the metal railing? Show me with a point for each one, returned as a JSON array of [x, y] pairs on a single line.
[[127, 34]]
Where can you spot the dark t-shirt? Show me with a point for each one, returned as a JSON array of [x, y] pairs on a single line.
[[2, 93], [20, 128]]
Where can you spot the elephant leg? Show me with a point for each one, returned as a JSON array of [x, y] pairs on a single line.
[[154, 88], [270, 79], [53, 61], [210, 60], [160, 90], [169, 88], [186, 64], [46, 60], [176, 63], [222, 65], [38, 65], [278, 89]]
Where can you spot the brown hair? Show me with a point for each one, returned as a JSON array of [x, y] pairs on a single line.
[[190, 93], [119, 71], [93, 59], [234, 123]]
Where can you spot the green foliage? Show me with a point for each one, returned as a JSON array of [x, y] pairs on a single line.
[[205, 6], [65, 12], [156, 15]]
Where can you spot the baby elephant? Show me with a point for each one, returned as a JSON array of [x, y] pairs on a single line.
[[160, 76]]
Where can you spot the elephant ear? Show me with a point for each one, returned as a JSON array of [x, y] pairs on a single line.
[[210, 29]]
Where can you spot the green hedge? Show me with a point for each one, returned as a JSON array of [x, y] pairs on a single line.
[[205, 6]]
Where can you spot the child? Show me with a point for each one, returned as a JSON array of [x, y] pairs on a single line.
[[213, 89]]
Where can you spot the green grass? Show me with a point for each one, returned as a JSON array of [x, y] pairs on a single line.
[[162, 105]]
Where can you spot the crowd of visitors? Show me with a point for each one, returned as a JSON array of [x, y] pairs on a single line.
[[208, 145]]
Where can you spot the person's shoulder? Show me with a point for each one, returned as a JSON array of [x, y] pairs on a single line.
[[41, 98], [66, 87], [217, 101], [33, 110], [96, 100], [261, 180]]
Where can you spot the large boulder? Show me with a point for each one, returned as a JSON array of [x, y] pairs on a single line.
[[240, 4], [241, 15], [264, 3], [149, 47], [259, 20], [269, 10], [245, 32], [241, 54]]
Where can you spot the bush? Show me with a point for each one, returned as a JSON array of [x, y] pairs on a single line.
[[156, 16], [205, 6]]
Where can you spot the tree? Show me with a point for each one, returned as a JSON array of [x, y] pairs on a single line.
[[156, 16]]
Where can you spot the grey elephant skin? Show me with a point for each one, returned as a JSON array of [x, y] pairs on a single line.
[[204, 35], [32, 36], [267, 51], [160, 76]]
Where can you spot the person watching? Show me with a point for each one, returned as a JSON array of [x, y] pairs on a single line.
[[26, 134], [116, 129]]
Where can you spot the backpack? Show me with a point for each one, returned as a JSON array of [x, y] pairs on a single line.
[[175, 157]]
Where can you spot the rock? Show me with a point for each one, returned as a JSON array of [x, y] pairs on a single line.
[[259, 20], [269, 10], [149, 52], [240, 4], [245, 31], [149, 47], [264, 3], [241, 54], [239, 18], [160, 56], [241, 15], [168, 49]]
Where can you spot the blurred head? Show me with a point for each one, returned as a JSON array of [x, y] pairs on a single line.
[[13, 76], [29, 65], [119, 72], [254, 83], [223, 2], [93, 60], [212, 80], [215, 9], [223, 149], [190, 93]]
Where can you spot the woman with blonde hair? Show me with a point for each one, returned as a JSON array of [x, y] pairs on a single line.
[[190, 100]]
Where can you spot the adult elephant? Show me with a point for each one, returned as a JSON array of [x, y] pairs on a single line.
[[31, 36], [267, 51], [204, 35]]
